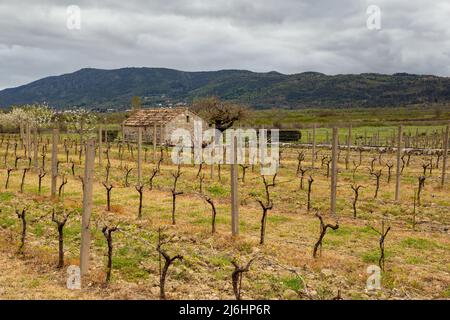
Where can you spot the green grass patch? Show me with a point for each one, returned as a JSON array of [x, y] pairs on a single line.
[[418, 243]]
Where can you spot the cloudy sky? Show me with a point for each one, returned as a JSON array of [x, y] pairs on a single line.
[[289, 36]]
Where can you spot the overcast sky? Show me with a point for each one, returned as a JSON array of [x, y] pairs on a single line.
[[289, 36]]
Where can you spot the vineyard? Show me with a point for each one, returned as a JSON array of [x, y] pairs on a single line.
[[161, 230]]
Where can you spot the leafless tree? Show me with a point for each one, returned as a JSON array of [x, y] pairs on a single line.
[[383, 233], [302, 176], [16, 162], [236, 276], [403, 162], [389, 165], [421, 186], [41, 175], [425, 166], [300, 159], [72, 167], [176, 175], [200, 167], [140, 189], [8, 174], [213, 212], [60, 224], [127, 173], [310, 182], [61, 187], [22, 216], [108, 188], [439, 154], [244, 168], [355, 188], [266, 205], [323, 230], [222, 114], [107, 232], [160, 160], [152, 176], [377, 175], [22, 183], [168, 261]]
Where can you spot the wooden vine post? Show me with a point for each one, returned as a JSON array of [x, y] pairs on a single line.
[[139, 156], [313, 155], [100, 138], [398, 172], [28, 139], [55, 138], [154, 142], [444, 162], [234, 189], [349, 141], [35, 149], [334, 155], [213, 153], [87, 206], [22, 134]]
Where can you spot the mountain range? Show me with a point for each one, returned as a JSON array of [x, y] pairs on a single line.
[[113, 89]]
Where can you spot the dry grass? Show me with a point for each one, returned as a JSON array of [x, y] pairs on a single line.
[[417, 260]]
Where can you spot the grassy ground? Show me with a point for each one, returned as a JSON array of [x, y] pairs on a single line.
[[366, 119], [417, 263], [359, 117]]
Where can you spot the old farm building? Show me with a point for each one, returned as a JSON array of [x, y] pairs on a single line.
[[159, 123]]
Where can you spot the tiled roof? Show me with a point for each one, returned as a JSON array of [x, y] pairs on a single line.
[[148, 117]]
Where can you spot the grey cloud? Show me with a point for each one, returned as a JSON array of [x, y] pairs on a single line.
[[289, 36]]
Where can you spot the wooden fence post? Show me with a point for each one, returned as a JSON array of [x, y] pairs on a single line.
[[100, 138], [444, 162], [398, 173], [87, 206], [313, 158], [22, 135], [139, 156], [234, 189], [35, 149], [334, 155], [349, 140], [154, 142], [213, 152], [28, 138], [55, 138]]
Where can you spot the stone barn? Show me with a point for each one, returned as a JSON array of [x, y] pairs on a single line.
[[159, 123]]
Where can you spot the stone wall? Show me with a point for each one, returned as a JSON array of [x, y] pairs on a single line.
[[184, 120]]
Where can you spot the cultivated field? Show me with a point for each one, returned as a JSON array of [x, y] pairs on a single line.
[[417, 247]]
